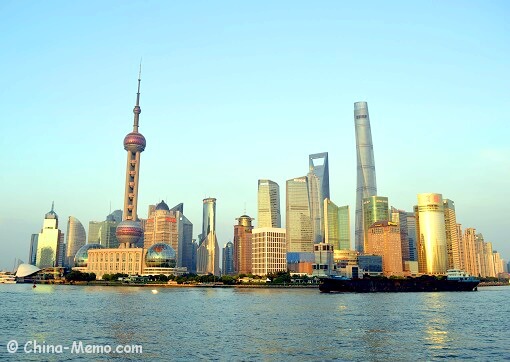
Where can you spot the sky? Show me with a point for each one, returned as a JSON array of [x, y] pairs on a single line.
[[233, 92]]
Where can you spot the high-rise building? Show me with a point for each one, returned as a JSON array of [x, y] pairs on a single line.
[[228, 259], [299, 222], [469, 255], [32, 256], [129, 231], [383, 238], [375, 208], [318, 190], [400, 217], [366, 185], [170, 226], [208, 249], [49, 242], [269, 204], [76, 238], [452, 238], [336, 225], [433, 256], [243, 245], [269, 251], [411, 236]]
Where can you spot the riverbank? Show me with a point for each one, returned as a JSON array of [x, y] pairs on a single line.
[[175, 285]]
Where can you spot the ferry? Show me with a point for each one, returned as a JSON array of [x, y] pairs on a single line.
[[7, 278], [454, 281]]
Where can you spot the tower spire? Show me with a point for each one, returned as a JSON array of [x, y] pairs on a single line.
[[52, 205], [137, 110]]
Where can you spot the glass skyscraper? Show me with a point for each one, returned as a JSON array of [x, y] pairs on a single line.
[[299, 222], [432, 252], [318, 190], [228, 259], [375, 208], [76, 238], [269, 205], [208, 250], [366, 185], [337, 225]]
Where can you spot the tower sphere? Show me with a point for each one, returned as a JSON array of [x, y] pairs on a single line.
[[129, 232], [134, 142]]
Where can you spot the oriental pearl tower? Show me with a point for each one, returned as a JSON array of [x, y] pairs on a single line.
[[129, 231]]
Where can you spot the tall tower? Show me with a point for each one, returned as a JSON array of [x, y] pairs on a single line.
[[129, 230], [49, 242], [299, 222], [208, 251], [366, 185], [243, 245], [375, 208], [269, 205], [452, 238], [76, 238], [318, 189]]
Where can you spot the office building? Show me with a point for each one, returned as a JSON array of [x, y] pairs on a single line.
[[318, 190], [49, 241], [243, 245], [76, 238], [383, 239], [337, 228], [269, 251], [375, 208], [268, 205], [298, 219], [228, 259], [432, 252], [208, 249], [452, 238], [366, 184], [411, 236], [32, 255]]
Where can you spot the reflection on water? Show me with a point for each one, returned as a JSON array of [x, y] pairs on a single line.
[[259, 324]]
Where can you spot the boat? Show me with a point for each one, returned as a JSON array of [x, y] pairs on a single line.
[[455, 281], [6, 278]]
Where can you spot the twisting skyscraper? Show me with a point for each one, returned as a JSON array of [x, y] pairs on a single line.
[[318, 190], [366, 185], [129, 230]]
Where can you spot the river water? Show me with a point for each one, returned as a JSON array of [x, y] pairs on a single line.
[[253, 324]]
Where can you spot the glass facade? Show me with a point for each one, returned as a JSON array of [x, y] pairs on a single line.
[[76, 238], [48, 242], [344, 221], [228, 259], [160, 255], [337, 228], [318, 190], [366, 185], [432, 235], [299, 222], [269, 204], [208, 249], [375, 208], [82, 255], [452, 237]]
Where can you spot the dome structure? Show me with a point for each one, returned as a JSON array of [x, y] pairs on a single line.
[[134, 142], [160, 255], [162, 206], [82, 255], [129, 232]]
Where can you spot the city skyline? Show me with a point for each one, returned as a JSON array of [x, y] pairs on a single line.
[[430, 94]]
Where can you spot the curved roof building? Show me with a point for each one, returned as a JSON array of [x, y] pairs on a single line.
[[160, 255], [75, 239], [82, 255], [24, 270]]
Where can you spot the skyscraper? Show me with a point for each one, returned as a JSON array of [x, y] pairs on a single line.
[[49, 242], [452, 237], [208, 249], [400, 217], [318, 190], [32, 256], [433, 257], [129, 231], [366, 185], [76, 238], [336, 225], [228, 259], [299, 222], [269, 251], [383, 238], [243, 245], [269, 204], [375, 208]]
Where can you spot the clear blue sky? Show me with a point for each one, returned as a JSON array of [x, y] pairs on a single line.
[[236, 91]]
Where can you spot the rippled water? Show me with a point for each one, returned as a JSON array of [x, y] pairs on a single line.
[[258, 324]]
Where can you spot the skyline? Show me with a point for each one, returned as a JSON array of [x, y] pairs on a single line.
[[214, 73]]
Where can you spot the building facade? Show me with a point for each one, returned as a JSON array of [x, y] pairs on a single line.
[[268, 202], [269, 251], [208, 249], [375, 209], [383, 239], [452, 237], [318, 190], [32, 255], [228, 259], [433, 256], [243, 247], [337, 228], [298, 219], [366, 184], [76, 238], [49, 240]]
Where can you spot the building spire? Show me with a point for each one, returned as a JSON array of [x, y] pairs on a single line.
[[52, 205], [137, 110]]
